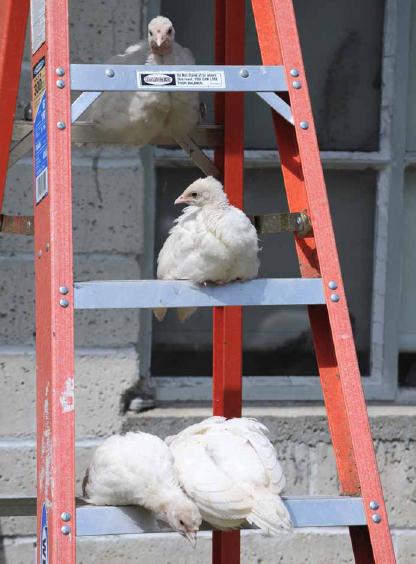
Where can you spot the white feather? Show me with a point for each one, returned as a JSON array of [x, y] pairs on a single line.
[[138, 117], [211, 241], [230, 470]]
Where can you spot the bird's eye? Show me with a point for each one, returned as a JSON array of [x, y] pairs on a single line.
[[150, 33], [181, 522], [170, 30], [194, 194]]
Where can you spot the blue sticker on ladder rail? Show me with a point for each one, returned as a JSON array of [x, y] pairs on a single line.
[[40, 136], [44, 541]]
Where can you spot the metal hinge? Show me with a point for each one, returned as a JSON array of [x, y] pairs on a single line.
[[298, 222], [17, 224]]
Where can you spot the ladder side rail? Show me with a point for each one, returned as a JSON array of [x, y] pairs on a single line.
[[227, 321], [54, 307], [13, 21], [349, 402]]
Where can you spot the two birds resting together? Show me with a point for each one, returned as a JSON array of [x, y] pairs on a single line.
[[211, 242], [225, 472]]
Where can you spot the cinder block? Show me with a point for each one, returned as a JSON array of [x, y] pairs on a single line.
[[18, 551], [108, 188], [397, 465], [99, 384], [115, 328], [406, 547], [323, 474]]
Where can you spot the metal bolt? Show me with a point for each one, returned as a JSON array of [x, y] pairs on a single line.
[[244, 73], [39, 254], [64, 290], [60, 84], [374, 505], [376, 518], [304, 124], [61, 125], [335, 297], [60, 71], [299, 220], [297, 84], [47, 247], [110, 73], [64, 302], [294, 72], [333, 285], [28, 225], [65, 529], [65, 517]]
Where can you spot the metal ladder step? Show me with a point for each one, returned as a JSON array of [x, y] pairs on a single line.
[[122, 294], [305, 511]]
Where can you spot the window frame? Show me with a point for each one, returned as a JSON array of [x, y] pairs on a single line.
[[389, 162]]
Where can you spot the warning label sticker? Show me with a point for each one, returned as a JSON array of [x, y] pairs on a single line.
[[40, 137], [200, 80], [37, 19]]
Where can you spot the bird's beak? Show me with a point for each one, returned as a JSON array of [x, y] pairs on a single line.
[[191, 536], [181, 200], [159, 39]]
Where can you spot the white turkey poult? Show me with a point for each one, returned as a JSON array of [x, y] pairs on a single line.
[[138, 469], [137, 117], [229, 468], [211, 241]]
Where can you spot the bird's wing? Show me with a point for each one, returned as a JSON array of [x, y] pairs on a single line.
[[255, 433], [182, 55], [197, 429], [216, 495], [133, 55]]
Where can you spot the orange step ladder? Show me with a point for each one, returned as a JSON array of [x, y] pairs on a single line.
[[283, 86]]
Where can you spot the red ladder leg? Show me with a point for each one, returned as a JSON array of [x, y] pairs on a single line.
[[341, 383], [227, 322], [13, 20], [54, 306]]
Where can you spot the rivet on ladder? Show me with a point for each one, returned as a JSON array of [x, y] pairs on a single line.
[[64, 290], [294, 72], [374, 505], [244, 73], [60, 83], [65, 529], [28, 225], [376, 518], [61, 125], [60, 71], [110, 73], [333, 285], [297, 84], [39, 254], [65, 516], [335, 297], [304, 124], [64, 302], [47, 247]]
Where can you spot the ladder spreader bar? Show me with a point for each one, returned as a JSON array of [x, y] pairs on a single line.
[[145, 294], [190, 78]]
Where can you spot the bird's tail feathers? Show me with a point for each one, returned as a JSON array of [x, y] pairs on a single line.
[[185, 312], [160, 313], [270, 514]]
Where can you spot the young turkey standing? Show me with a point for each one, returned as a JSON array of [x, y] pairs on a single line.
[[140, 116], [211, 241], [231, 471], [137, 469]]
